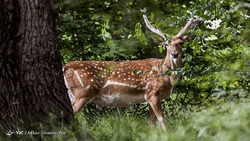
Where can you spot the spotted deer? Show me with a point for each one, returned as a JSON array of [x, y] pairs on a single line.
[[121, 84]]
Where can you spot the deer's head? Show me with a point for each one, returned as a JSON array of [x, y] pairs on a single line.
[[174, 47]]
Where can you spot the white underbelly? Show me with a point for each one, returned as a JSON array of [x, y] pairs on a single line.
[[118, 100]]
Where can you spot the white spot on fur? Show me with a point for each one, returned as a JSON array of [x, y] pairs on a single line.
[[145, 97], [133, 86], [115, 83], [66, 83], [70, 94], [79, 79], [124, 84], [87, 87]]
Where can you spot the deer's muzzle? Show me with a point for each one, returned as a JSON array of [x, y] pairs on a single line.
[[175, 54]]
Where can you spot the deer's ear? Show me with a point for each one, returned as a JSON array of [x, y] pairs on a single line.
[[158, 40], [188, 38]]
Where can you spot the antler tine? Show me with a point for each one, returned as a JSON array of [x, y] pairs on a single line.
[[153, 29], [192, 23]]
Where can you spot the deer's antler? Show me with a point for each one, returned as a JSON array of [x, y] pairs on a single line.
[[153, 29], [192, 23]]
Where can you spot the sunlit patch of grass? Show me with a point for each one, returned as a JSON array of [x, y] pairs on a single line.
[[229, 121]]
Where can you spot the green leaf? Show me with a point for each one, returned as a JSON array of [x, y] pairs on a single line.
[[186, 65], [229, 38], [160, 48], [138, 32]]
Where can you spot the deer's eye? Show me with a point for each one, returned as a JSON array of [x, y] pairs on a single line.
[[181, 43]]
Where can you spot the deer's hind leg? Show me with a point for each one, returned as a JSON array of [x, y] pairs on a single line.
[[83, 96], [80, 92]]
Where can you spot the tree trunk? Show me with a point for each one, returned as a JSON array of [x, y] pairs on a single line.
[[31, 78]]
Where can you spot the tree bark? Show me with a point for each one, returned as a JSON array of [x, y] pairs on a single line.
[[31, 78]]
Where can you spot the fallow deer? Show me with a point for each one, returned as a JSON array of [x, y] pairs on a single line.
[[121, 84]]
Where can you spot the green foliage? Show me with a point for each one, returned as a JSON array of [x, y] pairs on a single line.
[[218, 59], [103, 30]]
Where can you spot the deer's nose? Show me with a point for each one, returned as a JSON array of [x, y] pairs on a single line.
[[174, 54]]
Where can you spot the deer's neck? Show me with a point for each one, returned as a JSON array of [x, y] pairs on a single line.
[[171, 64]]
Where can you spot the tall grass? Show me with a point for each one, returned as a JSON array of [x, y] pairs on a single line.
[[227, 121]]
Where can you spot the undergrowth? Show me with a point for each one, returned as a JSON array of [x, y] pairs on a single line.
[[227, 121]]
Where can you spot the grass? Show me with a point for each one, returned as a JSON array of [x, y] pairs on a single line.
[[227, 121]]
